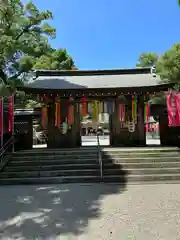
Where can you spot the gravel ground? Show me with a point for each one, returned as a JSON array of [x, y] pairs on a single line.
[[92, 212]]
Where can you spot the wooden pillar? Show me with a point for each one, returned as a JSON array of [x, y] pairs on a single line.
[[140, 122]]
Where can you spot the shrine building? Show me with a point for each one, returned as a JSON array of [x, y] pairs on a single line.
[[68, 96]]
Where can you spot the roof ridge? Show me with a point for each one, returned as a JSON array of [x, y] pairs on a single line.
[[122, 71]]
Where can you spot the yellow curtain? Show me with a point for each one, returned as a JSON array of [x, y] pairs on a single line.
[[95, 110]]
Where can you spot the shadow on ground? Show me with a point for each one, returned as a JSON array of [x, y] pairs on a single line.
[[48, 211]]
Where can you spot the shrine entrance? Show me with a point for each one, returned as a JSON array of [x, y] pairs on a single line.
[[94, 122], [75, 122], [78, 104]]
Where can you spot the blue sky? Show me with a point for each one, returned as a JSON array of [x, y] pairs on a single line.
[[104, 34]]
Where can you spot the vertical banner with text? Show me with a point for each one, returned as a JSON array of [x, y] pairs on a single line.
[[177, 101], [173, 118]]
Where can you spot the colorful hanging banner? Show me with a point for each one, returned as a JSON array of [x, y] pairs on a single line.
[[177, 101], [70, 113], [1, 116], [172, 101], [44, 117], [95, 111], [103, 111], [83, 108], [110, 107], [10, 112], [122, 112], [134, 109], [146, 112], [57, 112], [58, 115]]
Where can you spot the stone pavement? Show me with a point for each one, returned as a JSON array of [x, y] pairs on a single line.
[[90, 212]]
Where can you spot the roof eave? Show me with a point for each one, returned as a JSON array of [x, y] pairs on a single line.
[[137, 89]]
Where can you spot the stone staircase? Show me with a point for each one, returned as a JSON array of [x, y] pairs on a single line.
[[120, 165]]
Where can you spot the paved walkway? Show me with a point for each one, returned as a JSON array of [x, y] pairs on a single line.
[[90, 212]]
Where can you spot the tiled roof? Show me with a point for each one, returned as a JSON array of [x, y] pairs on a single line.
[[121, 78]]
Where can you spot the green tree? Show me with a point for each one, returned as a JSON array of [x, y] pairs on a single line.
[[24, 44], [147, 59], [54, 60], [24, 35], [168, 65]]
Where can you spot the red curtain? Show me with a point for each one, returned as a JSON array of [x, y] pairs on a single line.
[[1, 116], [10, 113], [172, 101], [84, 107]]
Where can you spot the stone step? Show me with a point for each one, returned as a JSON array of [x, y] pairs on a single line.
[[123, 180], [94, 155], [68, 151], [51, 167], [50, 180], [153, 178], [134, 161], [142, 159], [51, 162], [54, 157], [156, 165], [87, 172], [139, 154], [141, 171], [139, 149], [84, 150], [54, 173]]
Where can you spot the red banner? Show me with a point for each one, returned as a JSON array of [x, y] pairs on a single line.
[[84, 107], [177, 101], [10, 113], [172, 101], [1, 116]]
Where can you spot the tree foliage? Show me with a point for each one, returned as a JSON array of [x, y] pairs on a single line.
[[168, 65], [24, 34], [54, 60], [147, 59], [24, 45]]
